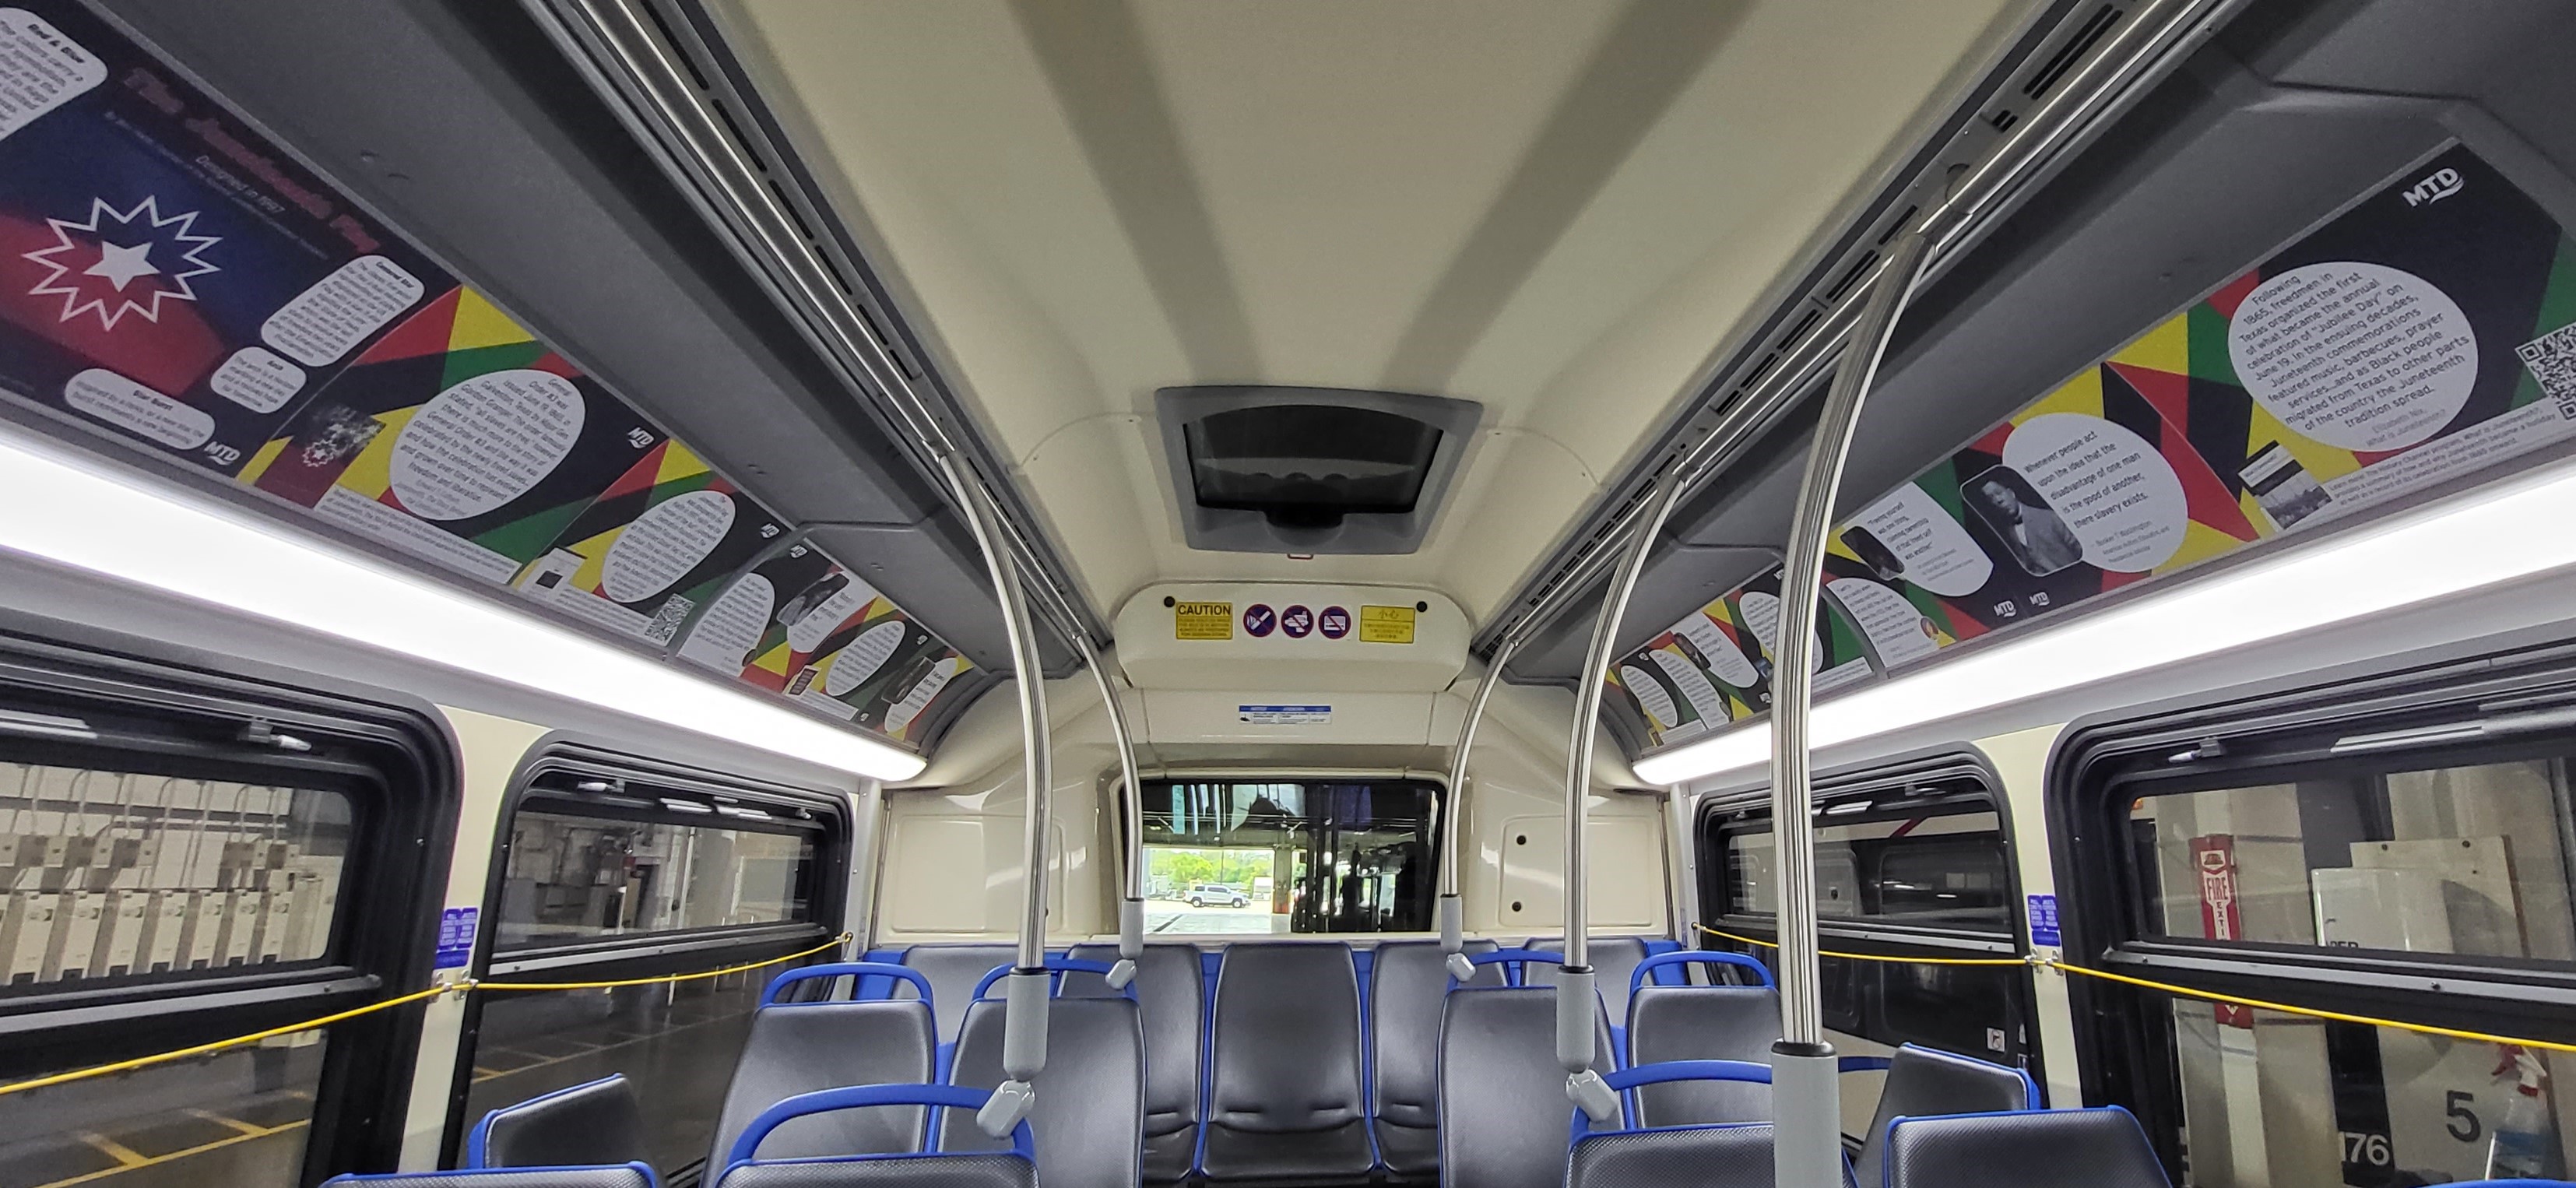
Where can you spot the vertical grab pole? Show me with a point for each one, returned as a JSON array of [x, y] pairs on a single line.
[[1575, 995], [1024, 1010], [1131, 815], [1806, 1102], [1452, 911]]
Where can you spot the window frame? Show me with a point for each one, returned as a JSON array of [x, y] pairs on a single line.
[[196, 714], [648, 954], [1979, 782], [2277, 733]]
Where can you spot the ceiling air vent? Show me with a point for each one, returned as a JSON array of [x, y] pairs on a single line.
[[1263, 469]]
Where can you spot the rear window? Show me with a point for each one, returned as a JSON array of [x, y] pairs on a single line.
[[1262, 857]]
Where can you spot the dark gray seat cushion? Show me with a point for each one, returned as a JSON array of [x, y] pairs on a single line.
[[587, 1125], [825, 1045], [1407, 982], [1922, 1082], [935, 1171], [953, 971], [1172, 992], [1702, 1023], [1503, 1109], [1284, 1097], [2100, 1148], [1089, 1119], [1701, 1157]]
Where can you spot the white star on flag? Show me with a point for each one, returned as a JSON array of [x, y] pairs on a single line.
[[121, 265]]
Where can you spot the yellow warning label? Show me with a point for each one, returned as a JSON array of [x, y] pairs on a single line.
[[1208, 620], [1386, 624]]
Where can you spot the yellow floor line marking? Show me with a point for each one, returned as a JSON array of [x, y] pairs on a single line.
[[114, 1150], [200, 1149], [229, 1123]]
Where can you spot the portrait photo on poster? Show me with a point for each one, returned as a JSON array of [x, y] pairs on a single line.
[[2031, 532]]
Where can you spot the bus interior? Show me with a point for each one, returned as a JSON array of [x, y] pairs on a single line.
[[1103, 593]]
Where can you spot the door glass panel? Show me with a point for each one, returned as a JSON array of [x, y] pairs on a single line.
[[2273, 1101], [240, 1117], [2468, 859]]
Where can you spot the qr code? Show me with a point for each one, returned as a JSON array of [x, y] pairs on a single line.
[[666, 621], [2551, 359]]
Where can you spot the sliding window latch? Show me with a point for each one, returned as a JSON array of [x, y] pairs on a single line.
[[259, 732]]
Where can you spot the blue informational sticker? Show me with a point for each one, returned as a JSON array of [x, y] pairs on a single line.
[[456, 937], [1334, 622], [2043, 921], [1284, 715], [1296, 621], [1258, 620]]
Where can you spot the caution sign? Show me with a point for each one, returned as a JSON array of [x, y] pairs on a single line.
[[1386, 624], [1206, 620]]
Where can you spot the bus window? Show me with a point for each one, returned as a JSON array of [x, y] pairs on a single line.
[[578, 878], [2468, 859], [1276, 857], [616, 872], [1906, 865], [2375, 868], [173, 874]]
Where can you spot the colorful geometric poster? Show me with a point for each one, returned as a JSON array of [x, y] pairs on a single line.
[[877, 667], [458, 438], [1714, 666], [653, 547], [164, 270], [2423, 334], [746, 631]]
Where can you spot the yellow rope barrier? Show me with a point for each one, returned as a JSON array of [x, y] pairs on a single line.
[[2185, 991], [464, 987]]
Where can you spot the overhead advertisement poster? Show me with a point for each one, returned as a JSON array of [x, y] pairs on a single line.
[[800, 624], [2425, 333], [165, 272], [1715, 665], [653, 547], [458, 438], [171, 275]]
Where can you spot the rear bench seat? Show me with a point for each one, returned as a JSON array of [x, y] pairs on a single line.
[[1292, 1060]]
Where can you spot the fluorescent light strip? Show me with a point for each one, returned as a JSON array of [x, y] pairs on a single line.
[[53, 506], [2515, 529]]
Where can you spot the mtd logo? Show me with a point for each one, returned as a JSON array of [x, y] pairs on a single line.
[[2436, 186]]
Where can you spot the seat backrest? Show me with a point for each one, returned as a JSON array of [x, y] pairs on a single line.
[[1502, 1094], [919, 1171], [1090, 1113], [1702, 1023], [804, 1047], [1286, 1038], [1613, 959], [1922, 1082], [597, 1123], [1699, 1156], [1171, 993], [2096, 1148], [953, 971], [633, 1175], [1408, 981]]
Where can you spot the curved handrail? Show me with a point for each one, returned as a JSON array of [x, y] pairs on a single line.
[[1052, 965], [1664, 1071], [845, 969], [1637, 979], [851, 1097]]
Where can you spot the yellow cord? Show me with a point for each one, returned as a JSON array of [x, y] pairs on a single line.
[[2185, 991], [464, 987]]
